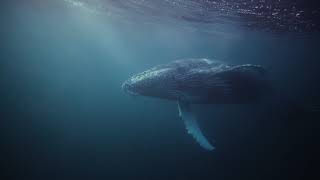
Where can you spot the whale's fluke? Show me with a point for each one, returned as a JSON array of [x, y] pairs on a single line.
[[192, 125]]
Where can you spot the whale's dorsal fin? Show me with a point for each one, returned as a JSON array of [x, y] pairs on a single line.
[[192, 125]]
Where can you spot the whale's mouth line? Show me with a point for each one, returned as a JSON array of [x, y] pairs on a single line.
[[131, 93], [126, 88]]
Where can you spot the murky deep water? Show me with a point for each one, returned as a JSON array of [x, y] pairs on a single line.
[[64, 115]]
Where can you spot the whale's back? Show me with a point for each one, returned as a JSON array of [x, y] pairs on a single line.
[[214, 82]]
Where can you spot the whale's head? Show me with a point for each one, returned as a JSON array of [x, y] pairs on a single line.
[[155, 82]]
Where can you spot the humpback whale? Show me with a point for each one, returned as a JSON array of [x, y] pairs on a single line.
[[199, 81]]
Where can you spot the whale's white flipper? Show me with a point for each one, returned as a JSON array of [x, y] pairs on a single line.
[[192, 125]]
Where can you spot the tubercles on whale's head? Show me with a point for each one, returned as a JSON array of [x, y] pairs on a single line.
[[148, 83]]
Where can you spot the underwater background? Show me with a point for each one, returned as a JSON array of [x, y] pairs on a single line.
[[65, 116]]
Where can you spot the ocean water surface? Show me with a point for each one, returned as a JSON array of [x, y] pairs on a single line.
[[65, 116]]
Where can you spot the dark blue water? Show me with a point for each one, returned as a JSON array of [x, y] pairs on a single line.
[[64, 115]]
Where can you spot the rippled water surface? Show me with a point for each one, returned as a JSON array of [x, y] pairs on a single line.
[[271, 15]]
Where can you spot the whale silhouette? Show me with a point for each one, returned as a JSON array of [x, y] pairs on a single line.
[[199, 81]]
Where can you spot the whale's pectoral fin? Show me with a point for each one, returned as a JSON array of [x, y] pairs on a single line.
[[192, 125]]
